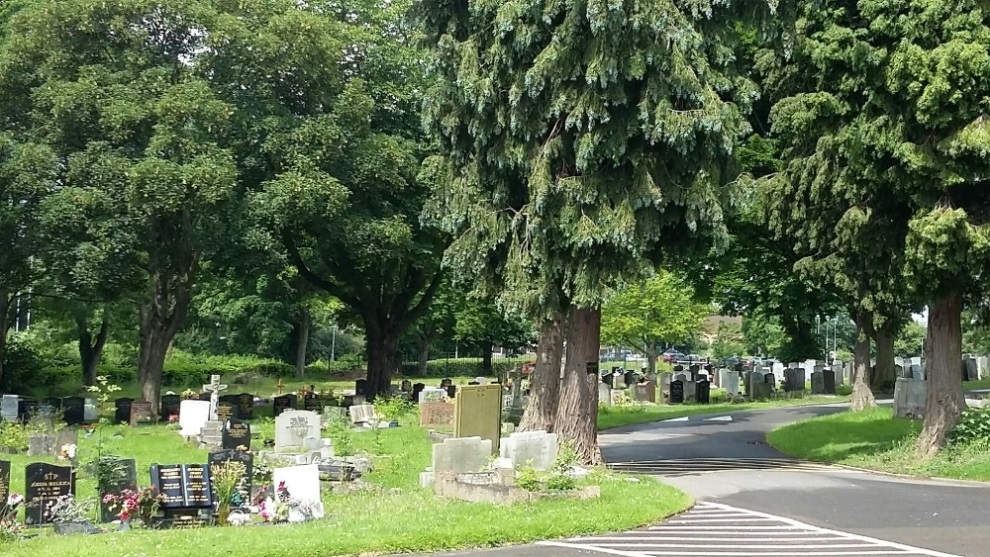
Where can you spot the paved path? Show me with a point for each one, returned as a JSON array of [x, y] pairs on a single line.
[[711, 530]]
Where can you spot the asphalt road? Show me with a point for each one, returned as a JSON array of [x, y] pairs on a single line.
[[723, 459]]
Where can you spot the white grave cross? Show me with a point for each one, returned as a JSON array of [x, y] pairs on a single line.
[[214, 388]]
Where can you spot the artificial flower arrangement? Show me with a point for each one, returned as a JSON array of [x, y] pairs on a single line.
[[10, 529], [143, 502], [284, 508]]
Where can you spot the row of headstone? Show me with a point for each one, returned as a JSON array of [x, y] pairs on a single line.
[[76, 410]]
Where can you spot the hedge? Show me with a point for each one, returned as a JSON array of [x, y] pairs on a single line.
[[461, 367]]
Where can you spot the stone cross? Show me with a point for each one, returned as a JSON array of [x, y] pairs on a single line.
[[214, 389]]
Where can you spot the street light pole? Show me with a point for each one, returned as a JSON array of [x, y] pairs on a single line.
[[333, 344]]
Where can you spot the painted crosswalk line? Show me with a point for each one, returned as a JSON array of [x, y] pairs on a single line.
[[690, 466], [716, 530]]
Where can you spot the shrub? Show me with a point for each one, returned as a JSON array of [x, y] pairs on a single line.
[[22, 365], [461, 367], [973, 426]]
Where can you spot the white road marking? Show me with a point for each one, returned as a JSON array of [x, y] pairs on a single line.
[[705, 532], [720, 419], [694, 466]]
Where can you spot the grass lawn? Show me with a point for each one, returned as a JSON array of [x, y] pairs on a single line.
[[392, 515], [874, 440], [618, 416], [974, 385]]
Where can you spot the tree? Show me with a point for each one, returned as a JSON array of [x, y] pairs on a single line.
[[761, 335], [910, 340], [337, 191], [578, 144], [728, 341], [482, 324], [652, 313], [884, 120]]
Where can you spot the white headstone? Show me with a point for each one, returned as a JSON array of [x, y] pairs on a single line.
[[730, 381], [431, 394], [303, 482], [461, 454], [362, 414], [481, 380], [193, 415], [537, 448], [8, 408], [604, 394], [292, 427]]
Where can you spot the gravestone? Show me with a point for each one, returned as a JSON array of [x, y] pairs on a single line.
[[618, 396], [313, 403], [245, 458], [73, 408], [193, 416], [8, 408], [126, 479], [91, 411], [171, 405], [66, 436], [245, 405], [664, 379], [26, 408], [537, 448], [703, 392], [4, 482], [44, 483], [362, 414], [41, 444], [361, 387], [212, 434], [478, 412], [970, 370], [436, 413], [431, 395], [460, 455], [818, 383], [141, 412], [416, 389], [730, 382], [910, 398], [226, 410], [677, 392], [770, 379], [302, 482], [629, 378], [281, 404], [645, 392], [794, 380], [609, 380], [917, 372], [185, 488], [604, 394], [829, 379], [236, 433], [293, 427], [122, 410], [451, 391], [204, 397], [214, 388]]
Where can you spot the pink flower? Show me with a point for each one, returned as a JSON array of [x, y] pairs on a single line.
[[108, 498]]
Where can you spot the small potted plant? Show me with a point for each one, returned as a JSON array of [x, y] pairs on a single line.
[[226, 479]]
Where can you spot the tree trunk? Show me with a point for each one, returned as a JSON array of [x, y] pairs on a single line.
[[577, 411], [946, 401], [382, 344], [4, 314], [160, 317], [544, 382], [302, 326], [423, 358], [90, 349], [651, 354], [151, 356], [885, 374], [486, 359], [862, 396]]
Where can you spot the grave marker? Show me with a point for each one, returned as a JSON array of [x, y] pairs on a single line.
[[4, 482], [26, 408], [122, 410], [44, 483], [214, 388], [478, 412], [226, 410], [141, 412], [245, 458], [8, 408], [245, 405], [184, 487], [303, 482], [703, 392], [536, 447], [73, 408], [677, 391], [127, 479], [313, 403], [281, 404], [436, 413], [193, 416], [236, 433], [293, 427]]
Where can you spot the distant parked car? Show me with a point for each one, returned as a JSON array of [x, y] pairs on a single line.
[[672, 355]]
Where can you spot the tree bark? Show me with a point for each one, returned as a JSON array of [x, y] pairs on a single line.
[[577, 411], [946, 401], [4, 315], [161, 315], [862, 396], [544, 382], [302, 325], [90, 349], [423, 356], [651, 353], [885, 373], [382, 344], [486, 359]]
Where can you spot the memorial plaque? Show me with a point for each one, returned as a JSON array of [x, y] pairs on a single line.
[[677, 392], [244, 487], [281, 404], [122, 410], [141, 412], [4, 482], [74, 408], [226, 410], [245, 405], [170, 406], [237, 433], [167, 479], [44, 483], [196, 485]]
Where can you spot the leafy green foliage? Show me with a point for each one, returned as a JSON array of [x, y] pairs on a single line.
[[973, 427]]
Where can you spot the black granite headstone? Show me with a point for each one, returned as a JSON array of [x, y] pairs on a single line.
[[630, 378], [677, 392], [237, 433], [226, 410], [417, 388], [26, 408], [206, 397], [829, 377], [245, 405], [247, 459], [703, 392], [170, 406], [54, 402], [281, 404], [74, 410], [313, 403], [126, 478], [608, 379], [45, 483], [183, 486], [122, 410], [451, 391], [770, 379], [361, 387], [196, 485], [4, 481]]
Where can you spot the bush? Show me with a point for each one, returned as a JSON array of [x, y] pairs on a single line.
[[973, 426], [461, 367], [22, 365]]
